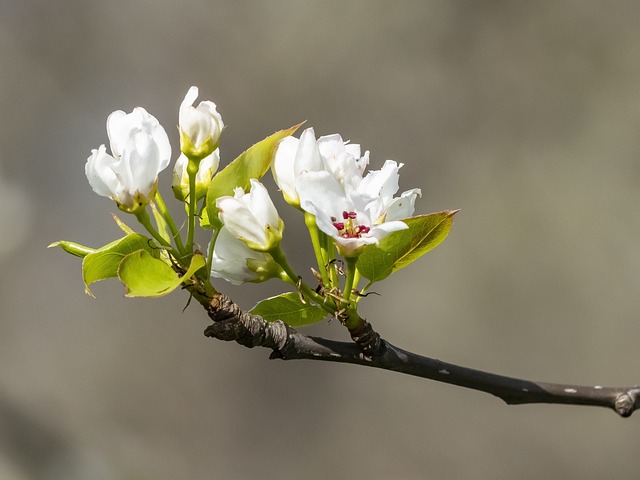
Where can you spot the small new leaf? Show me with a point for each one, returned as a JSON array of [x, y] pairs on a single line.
[[289, 308], [73, 248], [146, 276], [399, 249], [253, 163], [104, 262]]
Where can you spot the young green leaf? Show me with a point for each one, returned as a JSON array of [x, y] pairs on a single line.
[[123, 226], [73, 248], [399, 249], [253, 163], [104, 262], [146, 276], [289, 308]]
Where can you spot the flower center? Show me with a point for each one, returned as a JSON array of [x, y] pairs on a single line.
[[349, 228]]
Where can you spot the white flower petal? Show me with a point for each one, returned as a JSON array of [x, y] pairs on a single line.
[[308, 155], [251, 217], [382, 230], [262, 206], [118, 129], [240, 220], [402, 206], [384, 182], [283, 168], [187, 102], [229, 259], [99, 171], [201, 122], [320, 192]]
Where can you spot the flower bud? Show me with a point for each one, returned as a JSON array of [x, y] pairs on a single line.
[[200, 127], [238, 264], [140, 151], [180, 186], [252, 217]]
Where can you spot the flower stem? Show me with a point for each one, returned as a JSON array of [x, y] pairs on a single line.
[[320, 252], [175, 234], [329, 253], [294, 279], [192, 170], [144, 218], [351, 276]]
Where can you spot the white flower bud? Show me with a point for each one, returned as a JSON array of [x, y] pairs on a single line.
[[140, 151]]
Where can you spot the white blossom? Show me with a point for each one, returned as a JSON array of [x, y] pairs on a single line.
[[200, 127], [252, 217], [140, 150], [357, 212], [233, 261], [208, 166], [328, 153]]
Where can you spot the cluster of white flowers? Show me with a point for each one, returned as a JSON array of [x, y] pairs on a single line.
[[140, 150], [324, 177]]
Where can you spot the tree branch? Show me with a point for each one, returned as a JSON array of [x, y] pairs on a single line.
[[230, 323]]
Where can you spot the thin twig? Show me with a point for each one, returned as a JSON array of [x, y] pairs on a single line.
[[232, 324]]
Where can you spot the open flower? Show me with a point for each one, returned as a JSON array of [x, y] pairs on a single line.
[[252, 217], [200, 127], [238, 264], [140, 150], [293, 157], [208, 166], [356, 213]]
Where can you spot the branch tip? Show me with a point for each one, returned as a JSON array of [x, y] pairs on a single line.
[[230, 323], [625, 404]]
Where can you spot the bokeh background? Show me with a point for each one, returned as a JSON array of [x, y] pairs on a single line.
[[526, 115]]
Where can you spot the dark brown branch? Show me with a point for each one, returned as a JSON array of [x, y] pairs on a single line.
[[232, 324]]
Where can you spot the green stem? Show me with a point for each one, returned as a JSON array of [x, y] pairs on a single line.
[[144, 218], [175, 234], [314, 233], [356, 281], [351, 276], [329, 252], [364, 290], [192, 170], [352, 320], [294, 279]]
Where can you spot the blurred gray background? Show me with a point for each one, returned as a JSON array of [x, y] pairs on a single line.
[[526, 115]]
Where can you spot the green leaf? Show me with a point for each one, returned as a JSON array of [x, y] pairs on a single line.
[[123, 226], [104, 262], [289, 308], [73, 248], [399, 249], [253, 163], [204, 218], [146, 276]]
